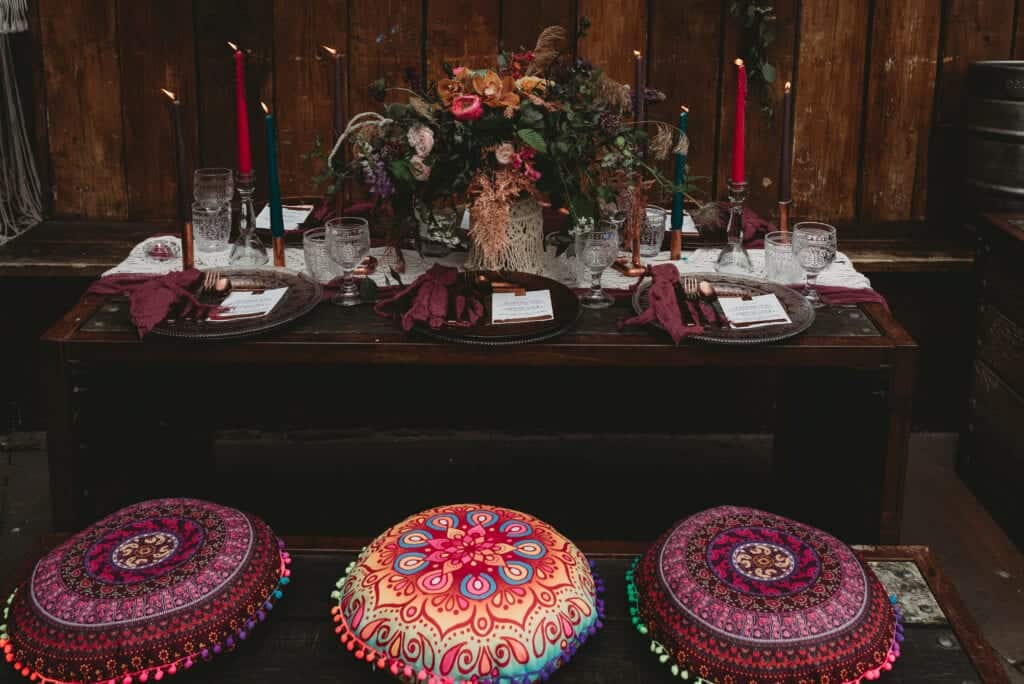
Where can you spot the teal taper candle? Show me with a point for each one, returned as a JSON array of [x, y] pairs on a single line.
[[276, 214], [680, 179]]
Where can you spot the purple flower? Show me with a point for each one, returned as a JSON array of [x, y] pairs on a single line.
[[376, 176]]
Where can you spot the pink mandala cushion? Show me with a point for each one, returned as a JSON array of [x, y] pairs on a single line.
[[144, 593], [735, 595], [468, 593]]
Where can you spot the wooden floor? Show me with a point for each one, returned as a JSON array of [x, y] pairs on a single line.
[[940, 512]]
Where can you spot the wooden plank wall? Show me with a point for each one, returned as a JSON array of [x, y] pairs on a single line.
[[879, 86]]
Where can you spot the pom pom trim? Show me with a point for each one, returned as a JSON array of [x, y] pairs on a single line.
[[158, 672]]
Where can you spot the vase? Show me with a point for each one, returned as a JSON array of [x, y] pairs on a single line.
[[524, 250]]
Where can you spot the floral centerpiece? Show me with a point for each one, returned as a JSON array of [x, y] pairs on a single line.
[[538, 129]]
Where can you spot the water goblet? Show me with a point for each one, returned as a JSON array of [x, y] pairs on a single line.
[[652, 234], [213, 186], [348, 243], [814, 245], [318, 262], [596, 250]]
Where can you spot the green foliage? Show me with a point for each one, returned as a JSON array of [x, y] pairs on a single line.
[[757, 18]]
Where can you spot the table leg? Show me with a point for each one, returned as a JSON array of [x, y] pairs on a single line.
[[61, 442], [902, 380]]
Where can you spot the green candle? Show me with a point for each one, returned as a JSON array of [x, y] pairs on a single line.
[[276, 214], [680, 179]]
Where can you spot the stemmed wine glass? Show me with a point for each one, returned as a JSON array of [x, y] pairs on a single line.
[[596, 249], [348, 243], [814, 245]]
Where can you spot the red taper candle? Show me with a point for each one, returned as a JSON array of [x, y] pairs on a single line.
[[739, 150], [242, 112]]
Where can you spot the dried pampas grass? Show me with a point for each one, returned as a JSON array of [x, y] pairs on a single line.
[[491, 209], [547, 49], [611, 94]]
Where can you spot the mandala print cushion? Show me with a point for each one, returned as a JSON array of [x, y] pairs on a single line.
[[737, 595], [468, 593], [144, 593]]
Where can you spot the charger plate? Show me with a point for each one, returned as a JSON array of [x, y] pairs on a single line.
[[564, 302], [801, 314], [302, 297]]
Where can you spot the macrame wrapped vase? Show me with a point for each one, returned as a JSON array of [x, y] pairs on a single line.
[[148, 591], [739, 595], [468, 594], [522, 251]]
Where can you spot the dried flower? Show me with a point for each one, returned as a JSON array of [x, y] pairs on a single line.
[[495, 90], [504, 153], [547, 49], [467, 108], [420, 170], [447, 90], [532, 84], [421, 138]]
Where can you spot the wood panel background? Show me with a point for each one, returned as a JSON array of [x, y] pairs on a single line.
[[879, 86]]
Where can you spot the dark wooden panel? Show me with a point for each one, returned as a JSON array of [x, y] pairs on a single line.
[[685, 42], [250, 25], [386, 38], [1001, 346], [1018, 39], [764, 131], [523, 20], [304, 82], [83, 84], [828, 107], [617, 28], [462, 33], [901, 88], [147, 28]]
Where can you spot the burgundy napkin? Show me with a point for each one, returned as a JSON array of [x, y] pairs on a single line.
[[431, 293], [754, 227], [663, 305], [841, 296], [153, 297]]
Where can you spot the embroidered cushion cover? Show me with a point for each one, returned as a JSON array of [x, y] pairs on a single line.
[[736, 595], [147, 591], [468, 593]]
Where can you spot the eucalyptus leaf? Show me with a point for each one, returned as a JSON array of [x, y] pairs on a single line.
[[533, 139], [768, 71]]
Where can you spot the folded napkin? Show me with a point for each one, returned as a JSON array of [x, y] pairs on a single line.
[[153, 297], [754, 227], [843, 296], [430, 294], [663, 305]]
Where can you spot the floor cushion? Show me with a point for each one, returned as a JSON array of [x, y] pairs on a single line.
[[734, 595], [146, 592], [468, 593]]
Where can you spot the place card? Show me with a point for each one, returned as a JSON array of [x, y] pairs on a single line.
[[248, 304], [754, 312], [528, 307], [293, 215]]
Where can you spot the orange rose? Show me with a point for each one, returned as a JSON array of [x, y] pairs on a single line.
[[495, 91]]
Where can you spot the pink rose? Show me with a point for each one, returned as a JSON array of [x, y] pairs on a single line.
[[504, 153], [421, 138], [467, 108], [420, 170]]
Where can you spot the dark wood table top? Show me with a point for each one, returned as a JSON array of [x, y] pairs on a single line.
[[99, 329], [298, 644]]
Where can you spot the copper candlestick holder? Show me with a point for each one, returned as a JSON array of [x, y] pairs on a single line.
[[630, 266], [784, 215], [278, 242], [676, 247], [188, 247]]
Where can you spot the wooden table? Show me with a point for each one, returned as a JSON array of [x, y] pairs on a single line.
[[298, 643], [837, 400]]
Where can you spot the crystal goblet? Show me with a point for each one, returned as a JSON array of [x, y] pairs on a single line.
[[348, 243]]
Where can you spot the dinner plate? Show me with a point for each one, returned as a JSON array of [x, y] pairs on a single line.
[[801, 314]]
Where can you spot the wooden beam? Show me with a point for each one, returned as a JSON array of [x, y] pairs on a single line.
[[83, 84]]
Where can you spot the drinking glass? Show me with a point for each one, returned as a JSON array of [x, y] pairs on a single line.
[[348, 242], [596, 250], [653, 232], [213, 186], [814, 245], [318, 262], [780, 264], [211, 226]]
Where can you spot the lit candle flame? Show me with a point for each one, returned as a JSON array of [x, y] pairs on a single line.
[[685, 108], [636, 53], [232, 46], [266, 109], [738, 62], [329, 50], [169, 94], [789, 86]]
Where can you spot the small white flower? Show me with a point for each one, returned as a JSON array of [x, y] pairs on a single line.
[[504, 153], [421, 138], [420, 170]]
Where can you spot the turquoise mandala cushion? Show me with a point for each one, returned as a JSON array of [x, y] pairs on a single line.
[[468, 594], [144, 593], [739, 596]]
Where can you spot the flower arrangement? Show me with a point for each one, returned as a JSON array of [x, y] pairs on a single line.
[[540, 123]]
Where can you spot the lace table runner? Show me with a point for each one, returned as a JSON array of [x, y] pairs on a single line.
[[840, 274]]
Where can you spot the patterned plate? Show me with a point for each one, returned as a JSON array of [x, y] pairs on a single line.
[[800, 312], [564, 301], [302, 296]]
